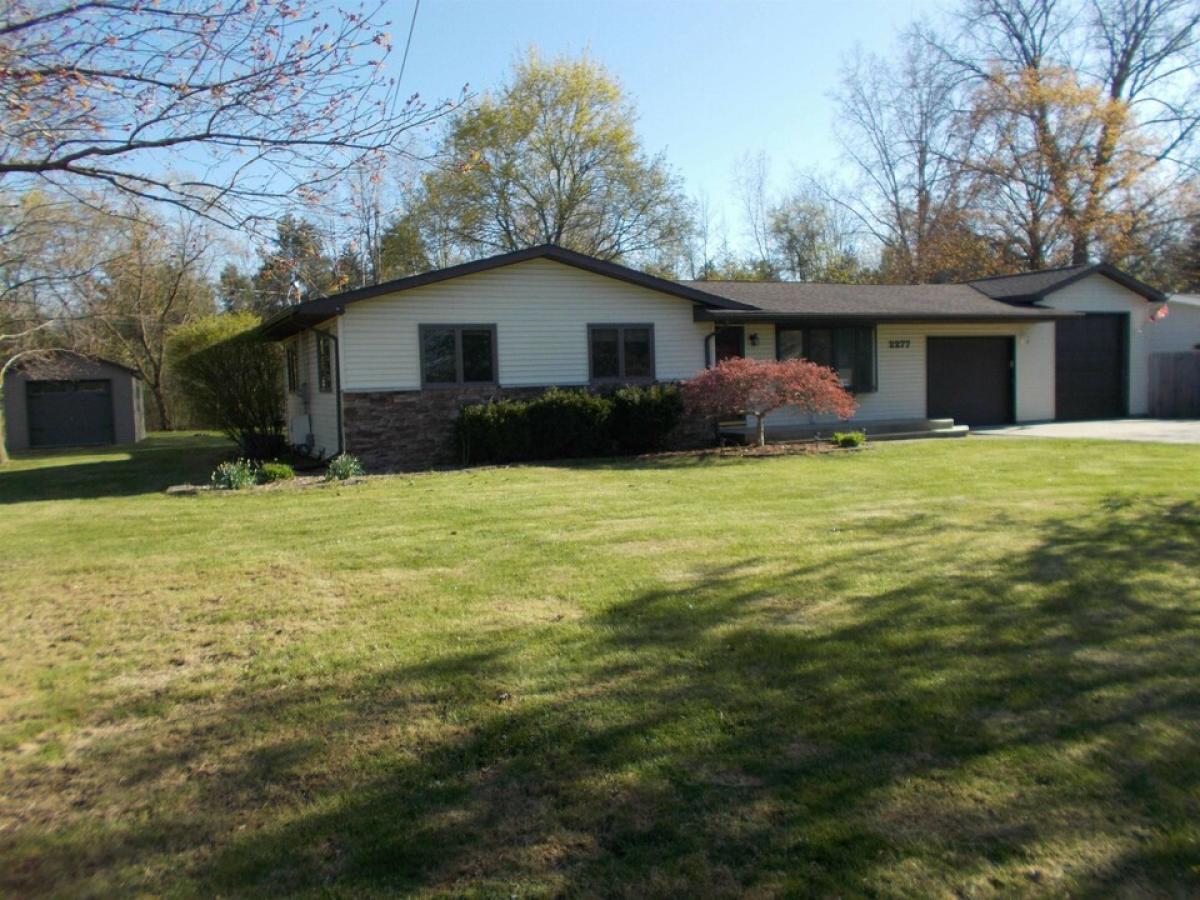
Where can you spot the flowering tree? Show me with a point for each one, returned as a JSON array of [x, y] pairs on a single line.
[[218, 106], [753, 387]]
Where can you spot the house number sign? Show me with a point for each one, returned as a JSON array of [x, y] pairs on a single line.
[[899, 345]]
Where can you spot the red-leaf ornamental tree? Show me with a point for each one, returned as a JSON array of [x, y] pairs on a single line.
[[752, 387]]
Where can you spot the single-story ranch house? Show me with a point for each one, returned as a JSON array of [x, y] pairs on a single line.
[[381, 371]]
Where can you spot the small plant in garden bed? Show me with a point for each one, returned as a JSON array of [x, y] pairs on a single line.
[[343, 466], [233, 475], [275, 471], [849, 438]]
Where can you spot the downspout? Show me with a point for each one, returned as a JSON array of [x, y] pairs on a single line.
[[710, 340]]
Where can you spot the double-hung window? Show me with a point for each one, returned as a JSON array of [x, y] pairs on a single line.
[[458, 354], [324, 363], [621, 352], [293, 369], [849, 351]]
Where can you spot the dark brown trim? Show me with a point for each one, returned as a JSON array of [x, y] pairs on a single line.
[[621, 377], [31, 362], [827, 320], [1111, 272], [458, 329], [853, 389]]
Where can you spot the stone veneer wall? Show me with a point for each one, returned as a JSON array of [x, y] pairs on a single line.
[[407, 430]]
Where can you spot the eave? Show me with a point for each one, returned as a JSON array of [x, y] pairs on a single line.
[[791, 318]]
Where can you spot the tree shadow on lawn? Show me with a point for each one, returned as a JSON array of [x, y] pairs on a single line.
[[1034, 726], [148, 467]]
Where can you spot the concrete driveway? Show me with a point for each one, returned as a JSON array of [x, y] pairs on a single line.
[[1166, 431]]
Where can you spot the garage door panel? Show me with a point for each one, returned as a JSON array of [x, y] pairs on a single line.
[[970, 379], [70, 413], [1090, 368]]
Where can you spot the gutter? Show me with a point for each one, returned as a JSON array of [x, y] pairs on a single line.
[[733, 318]]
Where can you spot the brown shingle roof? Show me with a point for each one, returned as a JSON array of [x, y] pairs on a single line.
[[876, 301], [1033, 286]]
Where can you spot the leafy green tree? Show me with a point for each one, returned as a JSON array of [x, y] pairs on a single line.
[[297, 267], [235, 289], [154, 282], [552, 157], [402, 249], [232, 380], [812, 239]]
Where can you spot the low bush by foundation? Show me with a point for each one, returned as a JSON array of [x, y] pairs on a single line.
[[564, 424], [849, 438], [275, 471]]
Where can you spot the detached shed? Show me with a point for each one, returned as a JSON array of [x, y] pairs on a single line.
[[68, 400]]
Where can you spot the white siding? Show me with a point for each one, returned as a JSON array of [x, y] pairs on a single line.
[[901, 370], [1099, 294], [1178, 332], [307, 400], [541, 310]]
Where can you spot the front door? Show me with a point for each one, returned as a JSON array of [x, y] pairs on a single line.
[[730, 342]]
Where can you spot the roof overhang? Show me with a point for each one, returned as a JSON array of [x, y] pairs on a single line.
[[1107, 270], [792, 318], [297, 318], [304, 315]]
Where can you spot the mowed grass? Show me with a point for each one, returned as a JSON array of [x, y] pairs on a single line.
[[963, 668]]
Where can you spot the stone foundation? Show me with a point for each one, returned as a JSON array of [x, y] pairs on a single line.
[[403, 431]]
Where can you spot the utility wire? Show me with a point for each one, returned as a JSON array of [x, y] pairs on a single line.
[[408, 43]]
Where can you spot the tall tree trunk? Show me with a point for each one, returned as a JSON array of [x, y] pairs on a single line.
[[1080, 247], [762, 429], [3, 428], [160, 404]]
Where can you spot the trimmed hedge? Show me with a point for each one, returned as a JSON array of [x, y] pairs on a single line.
[[643, 418], [563, 424]]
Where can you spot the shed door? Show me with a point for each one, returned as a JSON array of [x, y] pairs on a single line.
[[70, 413], [970, 379], [1089, 367]]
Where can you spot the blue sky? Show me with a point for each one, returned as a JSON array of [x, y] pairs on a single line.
[[711, 80]]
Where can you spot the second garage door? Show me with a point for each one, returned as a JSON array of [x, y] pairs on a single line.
[[970, 379], [1089, 368]]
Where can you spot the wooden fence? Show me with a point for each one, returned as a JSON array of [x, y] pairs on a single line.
[[1175, 385]]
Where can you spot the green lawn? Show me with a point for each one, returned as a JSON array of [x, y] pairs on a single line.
[[966, 668]]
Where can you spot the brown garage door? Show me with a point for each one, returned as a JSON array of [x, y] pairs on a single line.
[[70, 413], [1089, 367], [970, 379]]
